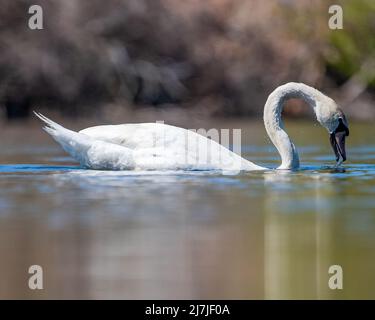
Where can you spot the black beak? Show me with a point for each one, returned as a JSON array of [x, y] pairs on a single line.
[[337, 139]]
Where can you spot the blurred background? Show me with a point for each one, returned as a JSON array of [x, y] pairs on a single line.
[[205, 58], [186, 235]]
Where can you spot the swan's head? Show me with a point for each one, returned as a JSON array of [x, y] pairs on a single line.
[[334, 120]]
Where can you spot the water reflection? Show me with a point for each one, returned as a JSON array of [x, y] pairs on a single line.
[[197, 235], [307, 231]]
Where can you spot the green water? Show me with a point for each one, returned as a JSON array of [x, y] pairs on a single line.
[[195, 235]]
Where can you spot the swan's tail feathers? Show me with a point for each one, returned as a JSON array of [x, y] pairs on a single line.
[[74, 143], [51, 125], [89, 152]]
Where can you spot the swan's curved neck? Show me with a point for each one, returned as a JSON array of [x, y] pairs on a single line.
[[274, 124]]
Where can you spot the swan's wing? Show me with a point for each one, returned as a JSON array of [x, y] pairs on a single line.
[[160, 145], [139, 135], [147, 146]]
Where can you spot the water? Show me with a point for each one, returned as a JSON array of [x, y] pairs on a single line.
[[198, 235]]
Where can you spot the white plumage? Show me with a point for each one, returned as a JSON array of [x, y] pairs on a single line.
[[157, 146], [145, 146]]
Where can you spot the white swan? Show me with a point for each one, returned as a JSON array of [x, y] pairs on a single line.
[[156, 146]]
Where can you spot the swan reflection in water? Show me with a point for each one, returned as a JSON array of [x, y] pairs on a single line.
[[127, 234]]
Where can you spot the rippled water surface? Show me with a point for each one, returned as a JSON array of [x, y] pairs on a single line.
[[270, 234]]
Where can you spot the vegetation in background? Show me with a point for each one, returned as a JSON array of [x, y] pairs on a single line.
[[218, 57], [352, 50]]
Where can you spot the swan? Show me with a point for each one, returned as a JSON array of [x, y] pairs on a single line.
[[158, 146]]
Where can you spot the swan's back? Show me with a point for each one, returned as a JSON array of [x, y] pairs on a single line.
[[139, 135]]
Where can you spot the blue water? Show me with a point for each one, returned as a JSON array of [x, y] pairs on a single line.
[[197, 234]]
